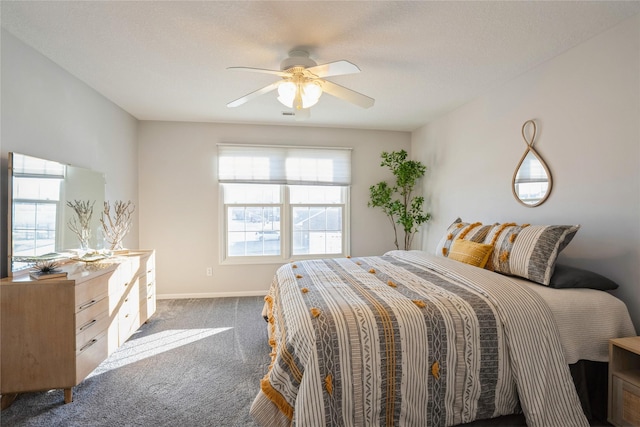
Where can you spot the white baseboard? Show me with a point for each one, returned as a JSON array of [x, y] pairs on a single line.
[[213, 295]]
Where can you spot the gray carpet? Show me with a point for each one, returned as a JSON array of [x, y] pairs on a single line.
[[197, 362]]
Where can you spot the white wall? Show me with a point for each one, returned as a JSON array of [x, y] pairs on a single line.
[[48, 113], [586, 103], [179, 213]]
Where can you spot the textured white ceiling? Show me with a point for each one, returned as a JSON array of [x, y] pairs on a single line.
[[167, 60]]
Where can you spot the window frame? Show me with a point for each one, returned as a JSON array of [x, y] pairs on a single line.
[[286, 228]]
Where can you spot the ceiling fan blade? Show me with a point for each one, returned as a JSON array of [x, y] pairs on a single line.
[[261, 70], [302, 114], [254, 94], [336, 68], [347, 94]]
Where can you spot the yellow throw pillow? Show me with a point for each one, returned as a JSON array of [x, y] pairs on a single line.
[[469, 252], [476, 232]]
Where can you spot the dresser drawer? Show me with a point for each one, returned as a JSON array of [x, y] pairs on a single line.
[[151, 275], [91, 291], [627, 410], [147, 305], [134, 266], [147, 265], [90, 355]]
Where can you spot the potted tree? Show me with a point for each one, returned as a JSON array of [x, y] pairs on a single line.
[[396, 200]]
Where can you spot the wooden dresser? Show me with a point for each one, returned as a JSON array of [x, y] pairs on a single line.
[[54, 332]]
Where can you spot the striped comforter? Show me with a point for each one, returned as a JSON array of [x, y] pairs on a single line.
[[408, 339]]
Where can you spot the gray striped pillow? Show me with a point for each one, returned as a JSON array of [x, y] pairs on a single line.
[[528, 251], [475, 232]]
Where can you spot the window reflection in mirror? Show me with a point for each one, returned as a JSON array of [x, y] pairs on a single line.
[[531, 183], [38, 214], [36, 196]]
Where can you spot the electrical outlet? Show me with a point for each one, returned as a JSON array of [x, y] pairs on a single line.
[[209, 271]]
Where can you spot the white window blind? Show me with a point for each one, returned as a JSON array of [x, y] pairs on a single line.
[[259, 164], [34, 167]]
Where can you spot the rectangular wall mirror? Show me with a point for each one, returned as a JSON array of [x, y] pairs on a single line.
[[38, 216]]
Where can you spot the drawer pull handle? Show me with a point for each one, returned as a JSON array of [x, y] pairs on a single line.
[[87, 305], [126, 284], [89, 344], [88, 325], [149, 271]]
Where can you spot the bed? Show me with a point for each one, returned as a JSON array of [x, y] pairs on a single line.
[[413, 339]]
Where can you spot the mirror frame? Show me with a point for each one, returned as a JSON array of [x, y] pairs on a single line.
[[519, 165]]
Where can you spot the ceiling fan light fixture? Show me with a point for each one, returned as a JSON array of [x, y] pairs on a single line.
[[311, 92], [287, 92], [299, 95]]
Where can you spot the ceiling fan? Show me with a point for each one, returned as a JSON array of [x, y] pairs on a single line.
[[303, 83]]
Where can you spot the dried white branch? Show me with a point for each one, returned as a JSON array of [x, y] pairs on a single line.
[[116, 227], [80, 224]]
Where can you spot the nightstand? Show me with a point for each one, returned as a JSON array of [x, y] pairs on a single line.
[[624, 381]]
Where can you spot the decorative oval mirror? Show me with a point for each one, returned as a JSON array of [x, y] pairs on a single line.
[[531, 179]]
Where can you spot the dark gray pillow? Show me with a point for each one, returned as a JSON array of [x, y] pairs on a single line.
[[565, 276]]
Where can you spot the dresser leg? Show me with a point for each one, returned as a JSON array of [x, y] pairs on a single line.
[[7, 400], [68, 395]]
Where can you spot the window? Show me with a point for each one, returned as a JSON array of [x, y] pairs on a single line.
[[283, 202], [317, 217], [252, 219]]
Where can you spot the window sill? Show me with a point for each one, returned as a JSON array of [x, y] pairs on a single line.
[[275, 260]]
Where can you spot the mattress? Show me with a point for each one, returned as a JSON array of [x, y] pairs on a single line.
[[586, 319]]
